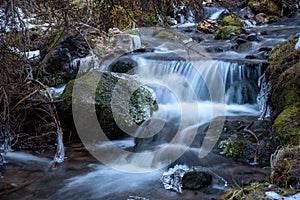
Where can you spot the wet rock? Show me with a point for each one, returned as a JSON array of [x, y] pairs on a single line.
[[267, 49], [251, 57], [123, 65], [268, 7], [287, 126], [227, 32], [246, 13], [286, 91], [252, 37], [68, 49], [196, 180], [240, 41], [123, 43], [93, 96], [283, 75], [230, 21], [262, 18]]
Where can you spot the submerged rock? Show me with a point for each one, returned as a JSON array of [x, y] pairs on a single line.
[[196, 180], [182, 177]]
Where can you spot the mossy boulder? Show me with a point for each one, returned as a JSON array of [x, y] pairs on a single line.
[[230, 21], [283, 57], [116, 99], [287, 90], [264, 6], [227, 32], [283, 74], [287, 126], [166, 34]]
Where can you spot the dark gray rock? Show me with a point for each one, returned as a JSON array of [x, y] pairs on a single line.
[[196, 180]]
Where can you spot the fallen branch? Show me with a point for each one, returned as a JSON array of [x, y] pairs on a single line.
[[253, 134]]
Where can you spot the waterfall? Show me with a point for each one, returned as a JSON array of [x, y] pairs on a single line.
[[182, 76], [189, 94], [213, 13]]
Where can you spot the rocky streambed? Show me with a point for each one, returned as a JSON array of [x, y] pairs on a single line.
[[240, 152]]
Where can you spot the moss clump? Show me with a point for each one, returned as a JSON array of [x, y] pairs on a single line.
[[226, 32], [287, 126], [264, 6], [166, 35], [283, 57], [255, 191], [232, 147], [230, 21], [286, 174], [283, 74], [287, 90]]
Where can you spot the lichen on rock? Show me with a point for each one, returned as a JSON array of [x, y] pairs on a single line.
[[117, 98]]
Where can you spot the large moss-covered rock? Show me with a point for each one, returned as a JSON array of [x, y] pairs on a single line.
[[287, 90], [287, 126], [115, 98], [230, 21], [283, 75], [226, 32], [264, 6]]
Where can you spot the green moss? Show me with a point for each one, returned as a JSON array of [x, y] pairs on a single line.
[[283, 74], [232, 147], [140, 102], [227, 32], [256, 191], [264, 6], [166, 35], [287, 89], [230, 21], [283, 57], [130, 31], [286, 174], [151, 18], [287, 126]]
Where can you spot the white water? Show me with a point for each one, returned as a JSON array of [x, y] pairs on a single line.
[[106, 183]]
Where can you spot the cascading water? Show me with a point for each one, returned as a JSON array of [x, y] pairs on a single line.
[[189, 93], [213, 13]]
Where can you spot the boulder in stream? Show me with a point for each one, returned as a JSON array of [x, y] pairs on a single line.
[[105, 94], [196, 180]]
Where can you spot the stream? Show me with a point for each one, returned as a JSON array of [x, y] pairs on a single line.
[[219, 80]]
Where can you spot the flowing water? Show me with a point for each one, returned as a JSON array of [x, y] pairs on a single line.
[[191, 91]]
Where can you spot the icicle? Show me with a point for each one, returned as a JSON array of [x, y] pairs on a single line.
[[262, 98], [60, 152]]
